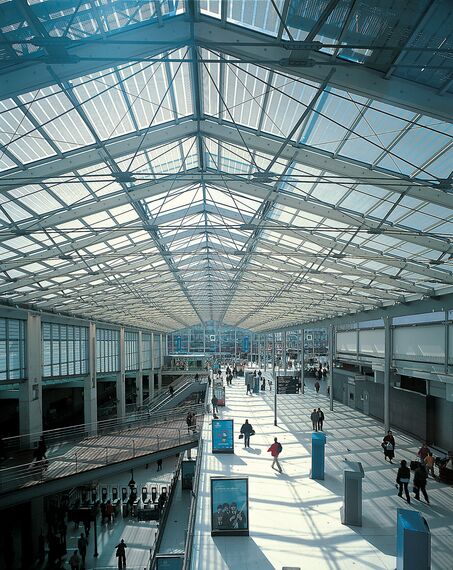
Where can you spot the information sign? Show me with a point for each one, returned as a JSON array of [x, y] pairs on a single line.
[[287, 385]]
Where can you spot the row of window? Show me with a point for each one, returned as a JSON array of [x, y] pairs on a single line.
[[65, 350]]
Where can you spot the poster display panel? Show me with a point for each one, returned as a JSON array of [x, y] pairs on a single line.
[[219, 392], [222, 436], [229, 506]]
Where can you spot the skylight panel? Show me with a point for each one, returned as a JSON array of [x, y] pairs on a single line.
[[52, 109], [104, 104], [146, 87], [415, 148], [259, 16], [19, 135], [36, 199], [364, 198], [288, 100], [5, 162], [210, 8], [245, 89], [11, 210]]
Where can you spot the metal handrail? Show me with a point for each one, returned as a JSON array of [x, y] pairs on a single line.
[[164, 390], [193, 510], [81, 431], [71, 463]]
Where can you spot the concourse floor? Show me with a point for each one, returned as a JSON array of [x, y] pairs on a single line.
[[294, 520]]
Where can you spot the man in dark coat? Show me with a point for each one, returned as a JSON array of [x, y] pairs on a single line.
[[246, 430]]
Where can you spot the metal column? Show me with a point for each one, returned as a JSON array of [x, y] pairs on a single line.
[[387, 361], [302, 360], [30, 391], [90, 404], [121, 380], [331, 353], [284, 353], [139, 375]]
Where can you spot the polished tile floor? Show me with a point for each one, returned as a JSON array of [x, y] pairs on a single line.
[[294, 520]]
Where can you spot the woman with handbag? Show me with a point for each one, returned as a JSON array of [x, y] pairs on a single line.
[[402, 478], [388, 445]]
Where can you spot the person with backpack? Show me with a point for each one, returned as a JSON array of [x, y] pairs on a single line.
[[275, 449]]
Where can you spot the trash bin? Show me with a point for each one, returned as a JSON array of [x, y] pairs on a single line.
[[351, 511], [413, 541], [318, 443]]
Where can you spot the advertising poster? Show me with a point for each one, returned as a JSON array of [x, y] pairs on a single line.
[[222, 436], [229, 506], [219, 392]]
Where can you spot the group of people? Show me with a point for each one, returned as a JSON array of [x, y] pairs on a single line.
[[422, 467], [317, 419], [229, 517]]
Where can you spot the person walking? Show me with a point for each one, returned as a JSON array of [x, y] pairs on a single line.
[[317, 386], [214, 402], [172, 391], [159, 465], [314, 419], [429, 463], [388, 445], [189, 421], [402, 478], [275, 449], [247, 430], [82, 546], [249, 389], [270, 384], [423, 452], [320, 419], [121, 554], [75, 561], [420, 479]]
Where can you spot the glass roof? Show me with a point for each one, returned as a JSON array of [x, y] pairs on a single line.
[[190, 182]]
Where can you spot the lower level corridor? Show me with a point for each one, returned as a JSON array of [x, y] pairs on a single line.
[[294, 520]]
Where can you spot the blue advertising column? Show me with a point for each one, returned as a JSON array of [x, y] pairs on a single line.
[[318, 443], [413, 541]]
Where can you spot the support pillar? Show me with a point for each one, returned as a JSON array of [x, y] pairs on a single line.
[[139, 375], [30, 391], [90, 397], [285, 364], [331, 353], [162, 355], [121, 380], [387, 361], [302, 360], [273, 352]]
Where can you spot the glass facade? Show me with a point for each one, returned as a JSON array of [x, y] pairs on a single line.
[[212, 339], [12, 349], [107, 350], [131, 350], [64, 349]]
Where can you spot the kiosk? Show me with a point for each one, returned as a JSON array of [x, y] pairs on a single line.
[[351, 511], [413, 541]]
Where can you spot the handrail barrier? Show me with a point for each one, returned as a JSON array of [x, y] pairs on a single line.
[[82, 431], [80, 459], [166, 510], [193, 509]]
